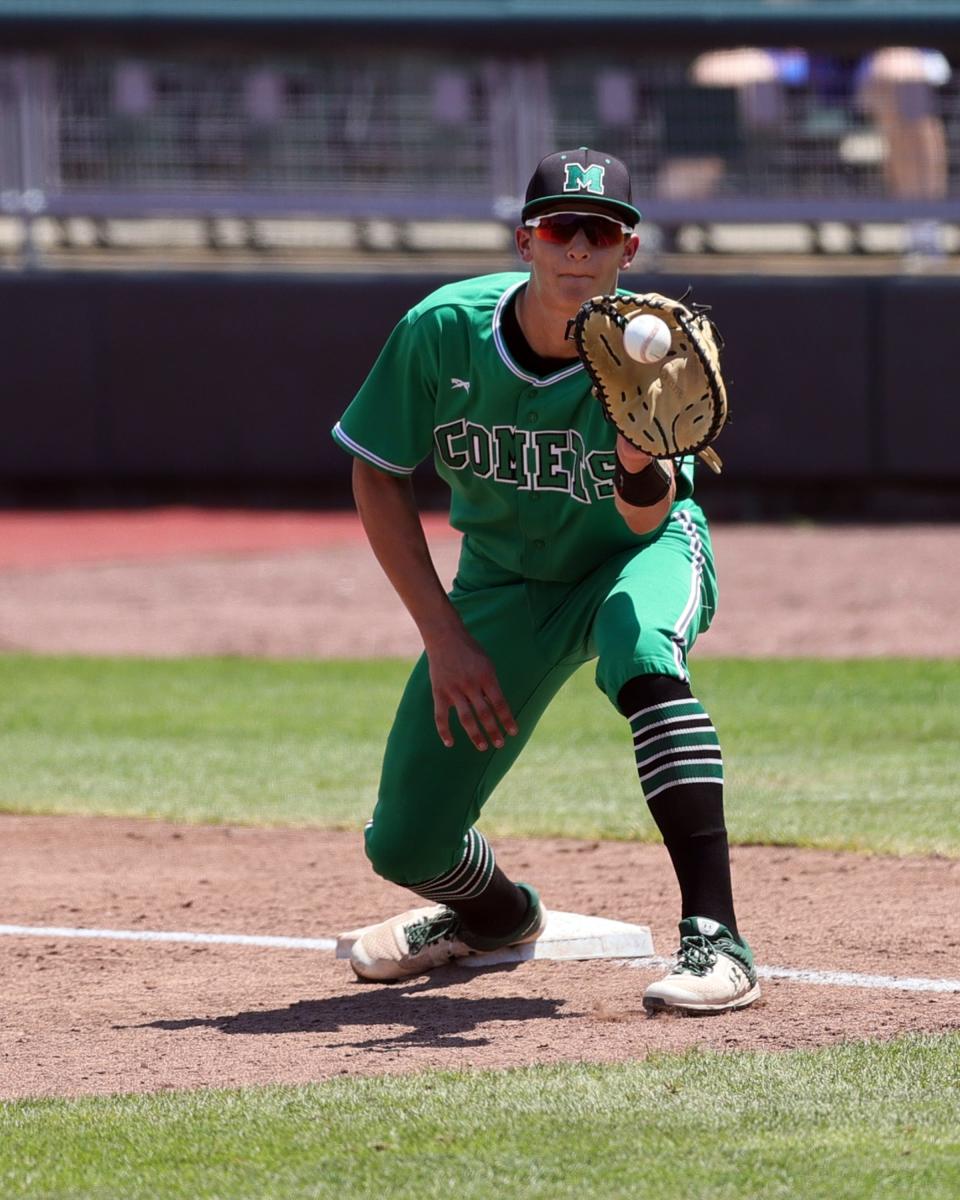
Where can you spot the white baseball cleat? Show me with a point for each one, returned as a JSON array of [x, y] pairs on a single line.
[[714, 972], [422, 939]]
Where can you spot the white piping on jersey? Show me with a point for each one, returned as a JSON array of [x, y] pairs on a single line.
[[505, 355], [369, 455], [692, 606]]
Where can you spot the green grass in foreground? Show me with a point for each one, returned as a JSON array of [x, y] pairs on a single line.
[[875, 1122], [858, 754]]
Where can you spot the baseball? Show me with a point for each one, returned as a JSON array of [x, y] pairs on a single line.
[[646, 338]]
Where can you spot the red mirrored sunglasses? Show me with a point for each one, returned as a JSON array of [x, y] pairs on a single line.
[[560, 228]]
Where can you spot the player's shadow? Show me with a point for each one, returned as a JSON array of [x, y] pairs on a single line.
[[438, 1021]]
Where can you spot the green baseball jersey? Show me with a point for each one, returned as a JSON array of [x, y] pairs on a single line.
[[529, 460]]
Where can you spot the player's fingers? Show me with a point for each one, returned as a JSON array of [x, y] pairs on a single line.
[[494, 696], [470, 724], [441, 718], [488, 720], [499, 704]]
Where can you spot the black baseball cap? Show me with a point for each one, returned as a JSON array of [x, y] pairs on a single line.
[[581, 180]]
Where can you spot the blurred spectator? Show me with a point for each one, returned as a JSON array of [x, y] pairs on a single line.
[[264, 106], [733, 96], [452, 98], [264, 98], [760, 77], [895, 87], [616, 98], [133, 90], [133, 101], [452, 107]]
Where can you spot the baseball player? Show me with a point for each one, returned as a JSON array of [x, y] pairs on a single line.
[[575, 547]]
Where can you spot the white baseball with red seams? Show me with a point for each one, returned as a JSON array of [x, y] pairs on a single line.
[[646, 338]]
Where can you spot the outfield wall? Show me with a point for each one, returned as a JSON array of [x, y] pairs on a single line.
[[121, 379]]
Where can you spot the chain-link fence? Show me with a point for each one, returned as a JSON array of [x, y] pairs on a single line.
[[744, 133]]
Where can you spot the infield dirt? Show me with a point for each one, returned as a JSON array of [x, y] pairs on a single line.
[[98, 1016]]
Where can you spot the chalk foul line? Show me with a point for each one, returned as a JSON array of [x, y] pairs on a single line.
[[155, 935], [902, 983], [793, 974]]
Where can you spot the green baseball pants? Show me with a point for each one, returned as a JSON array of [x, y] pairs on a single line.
[[638, 613]]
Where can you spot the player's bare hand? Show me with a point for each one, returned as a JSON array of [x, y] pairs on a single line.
[[463, 678], [634, 460]]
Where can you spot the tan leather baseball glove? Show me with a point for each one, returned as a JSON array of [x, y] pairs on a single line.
[[669, 408]]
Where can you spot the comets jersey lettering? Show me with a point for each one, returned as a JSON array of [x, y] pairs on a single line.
[[540, 460], [529, 460]]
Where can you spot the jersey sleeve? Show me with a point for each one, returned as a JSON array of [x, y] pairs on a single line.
[[389, 423]]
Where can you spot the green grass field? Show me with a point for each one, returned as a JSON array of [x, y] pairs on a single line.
[[858, 754], [846, 754], [873, 1122]]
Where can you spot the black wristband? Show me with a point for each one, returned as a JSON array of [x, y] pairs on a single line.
[[643, 488]]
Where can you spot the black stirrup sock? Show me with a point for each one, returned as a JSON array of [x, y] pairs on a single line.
[[476, 889], [681, 772]]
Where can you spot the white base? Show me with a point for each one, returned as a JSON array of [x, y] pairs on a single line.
[[570, 936]]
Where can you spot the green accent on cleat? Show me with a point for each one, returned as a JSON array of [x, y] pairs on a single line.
[[714, 972]]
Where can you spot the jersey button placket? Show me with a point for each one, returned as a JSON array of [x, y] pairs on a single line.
[[534, 545]]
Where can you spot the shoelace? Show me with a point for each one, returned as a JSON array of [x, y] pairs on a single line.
[[432, 929], [696, 955]]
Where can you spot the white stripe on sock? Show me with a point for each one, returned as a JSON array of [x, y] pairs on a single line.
[[680, 782], [690, 762]]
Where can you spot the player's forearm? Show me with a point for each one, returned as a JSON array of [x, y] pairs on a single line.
[[391, 521], [643, 518]]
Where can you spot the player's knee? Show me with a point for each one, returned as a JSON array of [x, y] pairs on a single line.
[[386, 856], [643, 654], [402, 857], [623, 639]]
